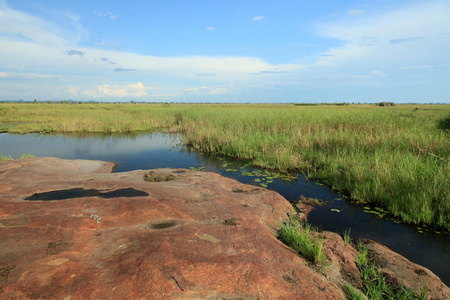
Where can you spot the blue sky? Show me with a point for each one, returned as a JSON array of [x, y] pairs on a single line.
[[226, 51]]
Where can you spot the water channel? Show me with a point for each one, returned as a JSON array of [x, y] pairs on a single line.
[[157, 150]]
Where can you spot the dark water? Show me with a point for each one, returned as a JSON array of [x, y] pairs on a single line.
[[81, 193], [149, 151]]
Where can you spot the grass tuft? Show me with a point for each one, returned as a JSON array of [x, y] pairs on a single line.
[[375, 284], [299, 237], [347, 237]]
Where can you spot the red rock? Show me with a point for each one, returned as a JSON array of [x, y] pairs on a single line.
[[195, 237], [401, 271]]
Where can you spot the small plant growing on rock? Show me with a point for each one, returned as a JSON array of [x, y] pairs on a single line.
[[299, 237], [230, 222], [347, 238], [237, 190], [153, 177], [375, 283]]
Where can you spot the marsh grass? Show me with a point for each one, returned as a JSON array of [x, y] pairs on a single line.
[[353, 294], [6, 158], [396, 158]]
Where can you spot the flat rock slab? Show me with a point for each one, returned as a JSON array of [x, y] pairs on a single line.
[[70, 229]]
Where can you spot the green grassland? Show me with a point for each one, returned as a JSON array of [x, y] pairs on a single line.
[[390, 157]]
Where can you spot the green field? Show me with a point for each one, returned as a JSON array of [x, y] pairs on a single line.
[[393, 158]]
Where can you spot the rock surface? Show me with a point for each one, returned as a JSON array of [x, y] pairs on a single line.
[[198, 236], [399, 270], [70, 229]]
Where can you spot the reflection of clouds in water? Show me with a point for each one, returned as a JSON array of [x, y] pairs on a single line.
[[65, 146]]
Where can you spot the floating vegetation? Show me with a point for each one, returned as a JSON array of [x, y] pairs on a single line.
[[197, 169], [261, 177], [377, 211], [310, 201]]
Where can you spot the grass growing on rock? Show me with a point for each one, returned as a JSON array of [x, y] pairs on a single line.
[[397, 158], [154, 177], [299, 236], [375, 284]]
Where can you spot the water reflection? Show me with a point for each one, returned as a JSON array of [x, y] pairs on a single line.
[[129, 152], [156, 150]]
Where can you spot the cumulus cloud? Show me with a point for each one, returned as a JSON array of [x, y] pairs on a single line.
[[106, 90], [257, 18], [210, 28], [72, 90]]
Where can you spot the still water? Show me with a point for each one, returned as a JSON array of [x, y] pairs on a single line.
[[157, 150]]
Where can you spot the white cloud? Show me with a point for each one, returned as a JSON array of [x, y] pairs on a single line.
[[59, 52], [386, 38], [106, 90], [355, 12], [23, 26], [218, 91], [210, 28], [210, 90], [72, 90], [28, 76], [257, 18], [106, 15]]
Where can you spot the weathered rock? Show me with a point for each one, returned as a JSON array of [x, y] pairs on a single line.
[[70, 229], [400, 271], [342, 268], [116, 235]]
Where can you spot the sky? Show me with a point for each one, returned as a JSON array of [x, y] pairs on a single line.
[[250, 51]]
